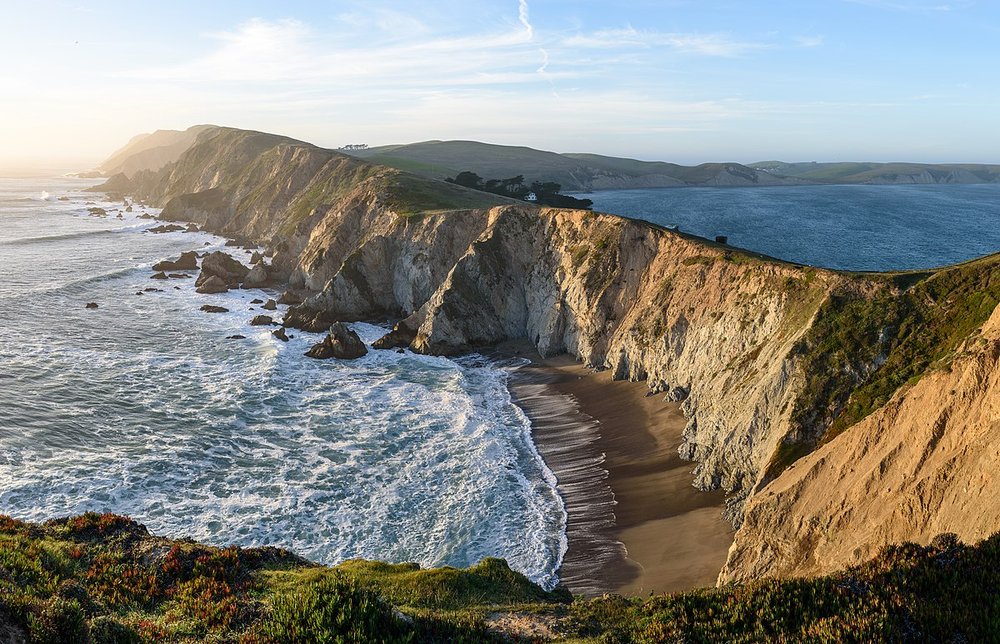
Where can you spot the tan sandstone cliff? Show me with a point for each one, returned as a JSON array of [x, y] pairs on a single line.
[[771, 359]]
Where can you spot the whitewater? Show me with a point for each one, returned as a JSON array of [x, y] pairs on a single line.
[[143, 407]]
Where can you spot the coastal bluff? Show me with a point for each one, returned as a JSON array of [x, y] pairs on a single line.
[[776, 363]]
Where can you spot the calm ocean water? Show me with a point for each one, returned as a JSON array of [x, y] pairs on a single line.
[[142, 407], [871, 228]]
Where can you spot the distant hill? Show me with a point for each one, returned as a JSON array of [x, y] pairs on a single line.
[[883, 173], [151, 151], [574, 172]]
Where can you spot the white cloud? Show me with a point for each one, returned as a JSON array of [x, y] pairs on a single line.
[[704, 44], [809, 41]]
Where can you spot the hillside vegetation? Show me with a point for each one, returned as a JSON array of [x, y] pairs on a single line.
[[102, 578]]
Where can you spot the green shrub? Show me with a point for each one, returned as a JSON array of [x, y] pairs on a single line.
[[329, 610], [58, 622]]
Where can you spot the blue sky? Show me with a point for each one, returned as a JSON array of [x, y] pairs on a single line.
[[673, 80]]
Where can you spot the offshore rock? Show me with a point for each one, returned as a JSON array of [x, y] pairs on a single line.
[[188, 261], [213, 284], [342, 343], [261, 320], [308, 319], [224, 267]]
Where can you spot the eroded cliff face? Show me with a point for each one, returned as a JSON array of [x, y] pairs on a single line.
[[924, 464], [770, 359]]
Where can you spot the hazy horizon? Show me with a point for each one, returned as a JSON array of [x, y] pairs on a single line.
[[679, 81]]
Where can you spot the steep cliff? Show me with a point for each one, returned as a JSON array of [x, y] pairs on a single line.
[[921, 465], [771, 359]]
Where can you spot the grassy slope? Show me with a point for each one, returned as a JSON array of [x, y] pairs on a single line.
[[440, 159], [853, 172], [867, 343], [103, 578]]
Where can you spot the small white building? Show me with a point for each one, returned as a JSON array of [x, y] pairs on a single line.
[[531, 196]]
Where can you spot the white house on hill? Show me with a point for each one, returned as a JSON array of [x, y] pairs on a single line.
[[531, 196]]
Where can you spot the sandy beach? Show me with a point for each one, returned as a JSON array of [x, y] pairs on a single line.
[[635, 524]]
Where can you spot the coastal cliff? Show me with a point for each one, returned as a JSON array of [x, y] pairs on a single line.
[[771, 360]]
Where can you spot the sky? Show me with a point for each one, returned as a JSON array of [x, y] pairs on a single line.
[[681, 81]]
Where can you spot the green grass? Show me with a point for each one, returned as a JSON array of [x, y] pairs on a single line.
[[103, 578], [868, 342]]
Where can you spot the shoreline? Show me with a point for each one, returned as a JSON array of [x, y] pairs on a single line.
[[635, 524]]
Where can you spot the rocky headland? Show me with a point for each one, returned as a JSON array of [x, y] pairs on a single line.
[[783, 371]]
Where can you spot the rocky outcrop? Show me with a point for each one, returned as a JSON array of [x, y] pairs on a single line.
[[224, 267], [341, 342], [213, 284], [188, 261]]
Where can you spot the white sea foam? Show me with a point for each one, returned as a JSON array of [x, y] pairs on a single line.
[[143, 407]]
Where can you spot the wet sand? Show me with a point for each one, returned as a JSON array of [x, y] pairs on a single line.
[[635, 524]]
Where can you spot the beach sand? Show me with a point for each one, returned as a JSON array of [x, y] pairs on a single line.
[[635, 524]]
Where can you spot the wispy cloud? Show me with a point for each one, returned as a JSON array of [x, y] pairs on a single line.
[[809, 41], [704, 44], [916, 6]]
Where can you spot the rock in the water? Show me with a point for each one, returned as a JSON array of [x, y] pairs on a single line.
[[166, 228], [153, 290], [208, 308], [221, 265], [158, 276], [257, 277], [186, 262], [97, 212], [256, 300], [192, 228], [341, 342], [400, 336], [280, 334], [261, 320], [307, 319], [213, 284], [128, 209], [292, 296], [91, 305], [178, 276], [146, 215], [270, 305], [256, 258], [236, 337]]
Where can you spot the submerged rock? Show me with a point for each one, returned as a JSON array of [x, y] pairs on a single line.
[[158, 276], [236, 337], [209, 308], [213, 284], [256, 300], [91, 305], [186, 262], [179, 276], [341, 342]]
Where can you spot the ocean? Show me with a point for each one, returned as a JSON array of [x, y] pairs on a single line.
[[861, 228], [142, 407]]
